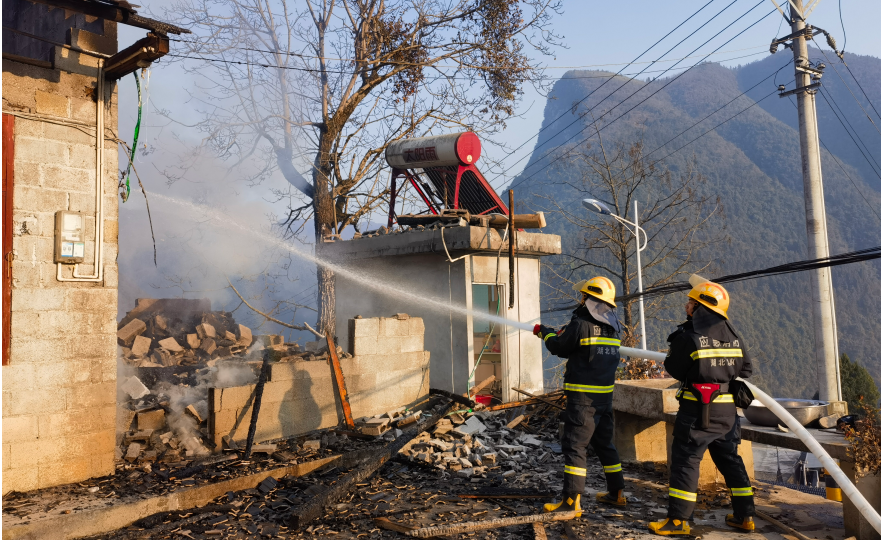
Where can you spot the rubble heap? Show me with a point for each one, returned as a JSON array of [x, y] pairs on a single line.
[[177, 349]]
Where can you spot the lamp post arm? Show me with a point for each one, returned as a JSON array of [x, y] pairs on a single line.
[[636, 234]]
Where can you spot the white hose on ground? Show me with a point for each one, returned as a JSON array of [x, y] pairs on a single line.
[[860, 502], [869, 513]]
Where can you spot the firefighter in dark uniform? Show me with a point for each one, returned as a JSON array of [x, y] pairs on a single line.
[[590, 342], [706, 355]]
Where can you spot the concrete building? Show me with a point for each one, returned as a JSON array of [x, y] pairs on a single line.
[[59, 319], [426, 282]]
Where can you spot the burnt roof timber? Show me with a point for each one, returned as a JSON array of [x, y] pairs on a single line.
[[114, 13]]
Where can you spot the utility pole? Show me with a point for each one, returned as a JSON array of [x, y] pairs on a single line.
[[823, 309]]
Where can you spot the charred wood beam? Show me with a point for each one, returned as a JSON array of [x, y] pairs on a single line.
[[471, 526], [455, 397], [116, 14], [551, 403], [346, 485], [258, 399]]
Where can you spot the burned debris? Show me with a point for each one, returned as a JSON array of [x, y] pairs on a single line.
[[171, 352]]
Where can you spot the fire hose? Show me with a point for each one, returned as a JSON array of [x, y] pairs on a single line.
[[860, 502]]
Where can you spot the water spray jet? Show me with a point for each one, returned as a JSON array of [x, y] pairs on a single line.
[[374, 283]]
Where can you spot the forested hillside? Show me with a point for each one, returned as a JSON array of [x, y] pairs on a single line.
[[752, 162]]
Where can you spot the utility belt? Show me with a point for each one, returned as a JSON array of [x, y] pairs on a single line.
[[705, 394]]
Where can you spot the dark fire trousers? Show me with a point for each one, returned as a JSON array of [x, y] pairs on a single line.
[[689, 444], [589, 423]]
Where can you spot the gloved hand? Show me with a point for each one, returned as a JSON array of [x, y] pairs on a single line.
[[541, 331]]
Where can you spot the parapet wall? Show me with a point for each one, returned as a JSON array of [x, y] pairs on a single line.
[[389, 369]]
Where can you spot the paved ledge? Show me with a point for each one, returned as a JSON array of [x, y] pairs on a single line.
[[457, 239]]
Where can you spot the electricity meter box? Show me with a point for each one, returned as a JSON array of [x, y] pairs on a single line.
[[70, 237]]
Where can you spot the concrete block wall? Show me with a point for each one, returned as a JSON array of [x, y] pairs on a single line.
[[59, 388], [390, 369]]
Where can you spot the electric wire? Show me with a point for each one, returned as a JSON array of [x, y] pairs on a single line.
[[852, 257], [849, 90], [579, 117], [872, 208], [843, 31], [825, 98], [635, 106], [689, 128], [579, 102], [861, 88], [442, 75], [396, 63]]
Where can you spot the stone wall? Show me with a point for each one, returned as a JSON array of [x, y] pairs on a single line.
[[59, 388], [390, 369]]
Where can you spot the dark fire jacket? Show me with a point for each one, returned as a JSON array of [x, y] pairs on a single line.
[[591, 348]]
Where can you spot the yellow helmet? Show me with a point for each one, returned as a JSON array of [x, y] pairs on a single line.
[[712, 295], [598, 287]]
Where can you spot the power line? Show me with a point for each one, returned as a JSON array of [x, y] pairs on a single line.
[[861, 255], [843, 31], [822, 93], [579, 102], [861, 88], [562, 78], [641, 102], [827, 96], [578, 118], [872, 208], [717, 110], [849, 90], [396, 63]]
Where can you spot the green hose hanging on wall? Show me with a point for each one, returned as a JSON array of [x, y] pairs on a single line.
[[128, 169]]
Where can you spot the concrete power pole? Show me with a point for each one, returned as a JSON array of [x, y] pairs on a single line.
[[823, 309]]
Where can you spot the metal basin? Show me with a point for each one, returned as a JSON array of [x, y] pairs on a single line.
[[804, 410]]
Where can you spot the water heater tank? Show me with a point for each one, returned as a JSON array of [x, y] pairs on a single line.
[[436, 151]]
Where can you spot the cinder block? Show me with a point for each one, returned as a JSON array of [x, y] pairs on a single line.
[[19, 428], [412, 343], [417, 326], [364, 327], [221, 422], [388, 345], [81, 202], [24, 324], [27, 173], [28, 402], [236, 397], [151, 420], [111, 232], [41, 151], [38, 299], [365, 345], [28, 128], [51, 103], [18, 376], [20, 480], [92, 345], [68, 179], [29, 350], [83, 109], [92, 299], [65, 472], [126, 335], [394, 327], [92, 396]]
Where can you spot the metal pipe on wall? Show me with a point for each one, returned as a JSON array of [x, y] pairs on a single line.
[[98, 276]]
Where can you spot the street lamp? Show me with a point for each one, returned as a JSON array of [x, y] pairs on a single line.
[[600, 208]]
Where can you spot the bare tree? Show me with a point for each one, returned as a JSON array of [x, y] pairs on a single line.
[[680, 219], [326, 85]]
